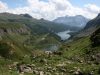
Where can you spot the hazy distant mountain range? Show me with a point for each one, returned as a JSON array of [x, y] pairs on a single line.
[[41, 26], [73, 21], [90, 27]]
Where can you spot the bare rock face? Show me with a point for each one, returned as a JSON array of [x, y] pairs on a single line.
[[22, 68], [78, 72], [21, 30], [27, 70]]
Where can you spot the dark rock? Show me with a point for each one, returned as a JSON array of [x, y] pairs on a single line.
[[57, 53], [95, 38]]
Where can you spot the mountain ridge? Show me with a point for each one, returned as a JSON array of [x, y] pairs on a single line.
[[78, 20], [90, 27]]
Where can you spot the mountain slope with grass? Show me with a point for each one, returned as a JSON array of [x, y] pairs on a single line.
[[38, 26], [21, 51], [79, 57], [17, 31]]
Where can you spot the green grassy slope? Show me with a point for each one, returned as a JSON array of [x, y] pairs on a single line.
[[77, 55], [22, 38], [37, 26]]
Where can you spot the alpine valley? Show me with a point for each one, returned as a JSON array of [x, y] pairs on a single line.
[[68, 45]]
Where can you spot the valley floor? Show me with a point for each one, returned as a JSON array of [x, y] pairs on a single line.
[[72, 59]]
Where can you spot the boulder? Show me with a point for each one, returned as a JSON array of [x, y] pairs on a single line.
[[36, 72], [43, 61], [78, 72], [27, 70], [61, 65], [41, 73]]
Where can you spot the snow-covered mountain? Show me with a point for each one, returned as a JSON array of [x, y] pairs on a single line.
[[74, 21]]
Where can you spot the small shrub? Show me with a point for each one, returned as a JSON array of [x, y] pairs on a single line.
[[5, 50]]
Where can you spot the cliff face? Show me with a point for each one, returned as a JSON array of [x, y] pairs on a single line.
[[12, 29]]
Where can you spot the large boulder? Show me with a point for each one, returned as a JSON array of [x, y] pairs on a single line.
[[95, 38]]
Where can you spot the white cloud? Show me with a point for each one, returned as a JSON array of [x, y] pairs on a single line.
[[3, 6], [20, 10], [57, 8], [92, 8], [53, 9], [61, 4]]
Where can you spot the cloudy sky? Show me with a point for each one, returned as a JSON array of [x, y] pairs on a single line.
[[51, 9]]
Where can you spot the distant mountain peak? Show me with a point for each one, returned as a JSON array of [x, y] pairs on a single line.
[[80, 15], [90, 27], [42, 19], [75, 16], [93, 23], [7, 13], [98, 15], [77, 21], [26, 15]]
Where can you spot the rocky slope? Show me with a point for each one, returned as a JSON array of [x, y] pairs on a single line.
[[10, 28]]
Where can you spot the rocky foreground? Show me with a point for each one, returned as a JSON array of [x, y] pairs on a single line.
[[53, 63]]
